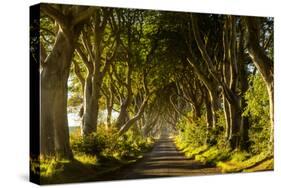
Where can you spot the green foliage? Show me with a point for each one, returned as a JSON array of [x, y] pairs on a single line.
[[216, 151], [262, 166], [107, 144], [51, 167], [64, 171], [193, 133], [191, 152], [262, 161], [219, 132], [86, 159], [257, 111], [239, 156], [74, 87], [48, 32], [130, 145], [95, 154], [196, 134], [213, 155], [91, 144]]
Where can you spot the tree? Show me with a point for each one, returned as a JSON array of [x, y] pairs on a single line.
[[54, 75], [260, 57], [100, 43]]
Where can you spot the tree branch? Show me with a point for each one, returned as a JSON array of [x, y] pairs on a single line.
[[84, 15], [84, 59], [130, 122], [54, 14], [263, 63], [201, 46], [78, 74]]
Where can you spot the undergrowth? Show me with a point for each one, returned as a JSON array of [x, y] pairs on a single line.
[[217, 152], [95, 154]]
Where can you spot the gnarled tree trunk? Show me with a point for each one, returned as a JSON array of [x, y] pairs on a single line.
[[263, 63], [54, 76], [55, 71]]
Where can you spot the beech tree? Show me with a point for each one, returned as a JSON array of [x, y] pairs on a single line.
[[261, 58], [97, 51], [141, 71], [54, 75]]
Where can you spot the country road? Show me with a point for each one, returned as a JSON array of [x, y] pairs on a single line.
[[164, 161]]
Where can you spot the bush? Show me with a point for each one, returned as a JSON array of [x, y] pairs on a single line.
[[192, 134], [106, 144], [213, 155], [257, 111], [192, 140], [92, 144]]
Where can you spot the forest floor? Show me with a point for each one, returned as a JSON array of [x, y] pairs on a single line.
[[163, 161]]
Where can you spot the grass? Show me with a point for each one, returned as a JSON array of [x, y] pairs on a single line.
[[82, 168], [263, 166], [213, 155], [58, 171], [228, 161], [192, 152], [93, 160], [259, 162]]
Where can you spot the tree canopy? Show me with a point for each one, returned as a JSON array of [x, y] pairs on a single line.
[[205, 78]]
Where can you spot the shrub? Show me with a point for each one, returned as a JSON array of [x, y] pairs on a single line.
[[192, 134], [257, 111], [92, 144], [106, 144], [213, 155]]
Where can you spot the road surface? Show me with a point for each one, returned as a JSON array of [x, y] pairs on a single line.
[[164, 161]]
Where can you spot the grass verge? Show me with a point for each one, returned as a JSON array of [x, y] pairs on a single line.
[[225, 159]]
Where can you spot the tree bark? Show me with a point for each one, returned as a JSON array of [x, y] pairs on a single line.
[[263, 63], [243, 76], [230, 82], [96, 66], [214, 106], [209, 117], [235, 124], [109, 115], [196, 111], [121, 120], [271, 107], [133, 120], [227, 117], [54, 76]]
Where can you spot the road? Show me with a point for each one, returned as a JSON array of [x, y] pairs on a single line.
[[164, 161]]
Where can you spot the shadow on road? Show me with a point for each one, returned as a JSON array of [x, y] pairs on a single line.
[[163, 161]]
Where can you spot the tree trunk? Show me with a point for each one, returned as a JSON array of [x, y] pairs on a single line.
[[54, 76], [244, 131], [235, 124], [208, 112], [209, 117], [121, 120], [263, 63], [196, 111], [214, 107], [91, 106], [271, 107], [109, 115], [133, 120], [227, 117], [95, 105], [87, 104]]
